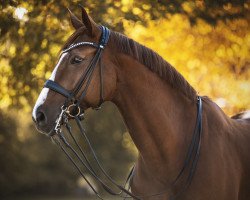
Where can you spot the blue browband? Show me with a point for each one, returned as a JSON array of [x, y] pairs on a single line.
[[71, 95]]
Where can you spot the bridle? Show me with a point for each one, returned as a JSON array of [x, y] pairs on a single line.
[[72, 102], [71, 109]]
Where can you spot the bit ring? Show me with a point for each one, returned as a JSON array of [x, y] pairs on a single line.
[[71, 109]]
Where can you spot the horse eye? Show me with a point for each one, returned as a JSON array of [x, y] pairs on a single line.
[[76, 60]]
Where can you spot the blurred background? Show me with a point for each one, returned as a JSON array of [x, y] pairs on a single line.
[[207, 41]]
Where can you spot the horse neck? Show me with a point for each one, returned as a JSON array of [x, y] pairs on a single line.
[[159, 118]]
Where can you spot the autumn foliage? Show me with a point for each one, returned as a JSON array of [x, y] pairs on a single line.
[[208, 42]]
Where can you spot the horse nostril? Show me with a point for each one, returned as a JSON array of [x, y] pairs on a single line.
[[40, 118]]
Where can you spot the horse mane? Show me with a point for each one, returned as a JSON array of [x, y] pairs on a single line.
[[145, 56], [153, 61]]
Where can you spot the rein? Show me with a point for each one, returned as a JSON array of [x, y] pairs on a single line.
[[71, 109]]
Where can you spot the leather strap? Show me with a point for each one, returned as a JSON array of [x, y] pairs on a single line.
[[87, 76], [57, 88], [190, 163]]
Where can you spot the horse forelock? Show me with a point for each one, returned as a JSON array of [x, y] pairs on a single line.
[[73, 37]]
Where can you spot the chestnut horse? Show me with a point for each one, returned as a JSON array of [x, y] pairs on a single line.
[[159, 108]]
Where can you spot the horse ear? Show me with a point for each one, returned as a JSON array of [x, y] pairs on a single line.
[[92, 27], [76, 23]]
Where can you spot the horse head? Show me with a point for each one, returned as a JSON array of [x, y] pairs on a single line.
[[83, 77]]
